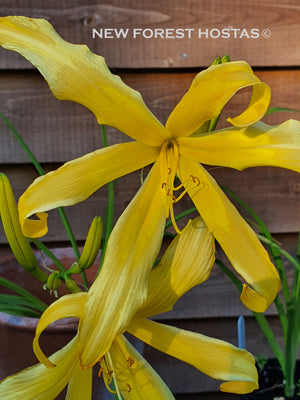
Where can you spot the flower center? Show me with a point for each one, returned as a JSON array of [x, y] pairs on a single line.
[[169, 167]]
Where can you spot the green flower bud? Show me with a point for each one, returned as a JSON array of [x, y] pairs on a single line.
[[217, 61], [71, 285], [53, 281], [225, 59], [10, 220], [92, 244]]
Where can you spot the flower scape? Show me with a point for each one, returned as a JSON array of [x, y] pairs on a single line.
[[128, 288]]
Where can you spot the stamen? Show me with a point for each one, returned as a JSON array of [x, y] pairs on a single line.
[[130, 361], [178, 187], [129, 387], [180, 196], [195, 179], [174, 221], [114, 377]]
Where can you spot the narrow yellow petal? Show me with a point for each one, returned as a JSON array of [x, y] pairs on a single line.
[[122, 284], [67, 306], [238, 240], [253, 146], [74, 73], [136, 379], [78, 179], [214, 357], [186, 263], [80, 384], [39, 382], [211, 90]]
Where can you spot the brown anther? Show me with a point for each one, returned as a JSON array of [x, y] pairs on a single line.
[[195, 179], [169, 171], [163, 185], [129, 387], [130, 361], [100, 372]]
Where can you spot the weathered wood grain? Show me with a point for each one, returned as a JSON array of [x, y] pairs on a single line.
[[75, 21], [58, 131]]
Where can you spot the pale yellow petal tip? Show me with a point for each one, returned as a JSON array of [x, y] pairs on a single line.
[[257, 107], [238, 387], [254, 301], [34, 228]]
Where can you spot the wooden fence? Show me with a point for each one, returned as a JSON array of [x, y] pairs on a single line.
[[265, 34]]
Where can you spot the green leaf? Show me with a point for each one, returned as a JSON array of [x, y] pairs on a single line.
[[272, 110]]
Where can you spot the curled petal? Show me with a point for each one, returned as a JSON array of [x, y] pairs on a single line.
[[238, 240], [256, 145], [74, 73], [186, 263], [41, 383], [136, 379], [214, 357], [78, 179], [122, 284], [65, 307], [210, 91]]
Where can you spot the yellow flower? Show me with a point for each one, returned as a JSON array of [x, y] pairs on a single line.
[[133, 377], [74, 73]]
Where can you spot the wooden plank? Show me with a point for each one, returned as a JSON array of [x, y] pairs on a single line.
[[75, 20], [57, 131]]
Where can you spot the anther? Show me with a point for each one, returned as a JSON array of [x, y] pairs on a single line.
[[130, 361], [195, 179], [129, 387], [169, 171], [163, 185]]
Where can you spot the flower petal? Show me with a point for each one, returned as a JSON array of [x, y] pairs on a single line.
[[240, 148], [74, 73], [121, 286], [67, 306], [39, 382], [136, 379], [211, 90], [238, 240], [214, 357], [80, 384], [186, 263], [78, 179]]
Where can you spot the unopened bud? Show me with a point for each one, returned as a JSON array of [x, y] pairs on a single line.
[[53, 281], [225, 59], [92, 244], [10, 220]]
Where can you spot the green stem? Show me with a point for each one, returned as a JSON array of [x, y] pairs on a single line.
[[110, 207], [41, 171]]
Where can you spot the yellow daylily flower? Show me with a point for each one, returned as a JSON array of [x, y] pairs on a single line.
[[74, 73], [175, 275]]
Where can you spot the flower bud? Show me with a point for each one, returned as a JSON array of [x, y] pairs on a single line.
[[92, 244], [53, 281], [10, 220]]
